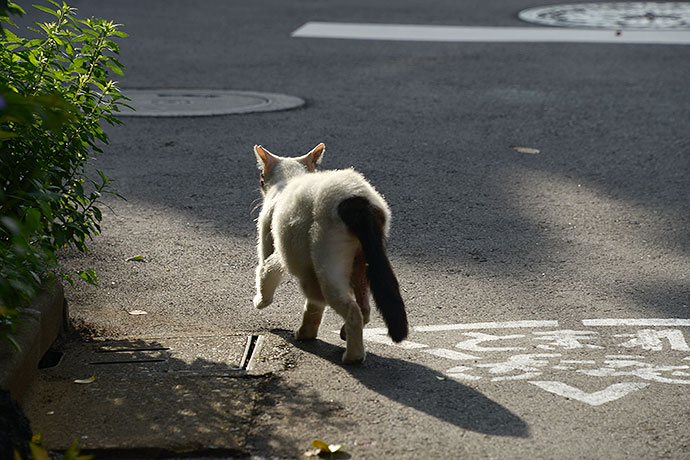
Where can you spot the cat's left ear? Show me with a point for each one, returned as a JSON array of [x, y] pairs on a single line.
[[312, 159]]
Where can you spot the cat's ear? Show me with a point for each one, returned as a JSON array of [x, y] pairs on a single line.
[[312, 159], [264, 159]]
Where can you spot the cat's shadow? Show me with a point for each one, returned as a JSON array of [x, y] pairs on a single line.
[[423, 389]]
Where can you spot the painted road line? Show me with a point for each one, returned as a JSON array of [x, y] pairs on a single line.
[[642, 322], [596, 398], [486, 325], [436, 33], [379, 335], [451, 354]]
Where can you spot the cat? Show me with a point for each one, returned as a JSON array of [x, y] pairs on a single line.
[[328, 229]]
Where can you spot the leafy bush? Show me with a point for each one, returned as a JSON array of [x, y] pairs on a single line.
[[54, 92]]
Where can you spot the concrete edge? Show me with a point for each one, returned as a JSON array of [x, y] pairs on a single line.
[[40, 324]]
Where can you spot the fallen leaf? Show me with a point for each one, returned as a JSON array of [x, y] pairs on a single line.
[[86, 381], [324, 450], [137, 258], [529, 150], [137, 312], [320, 444], [333, 448]]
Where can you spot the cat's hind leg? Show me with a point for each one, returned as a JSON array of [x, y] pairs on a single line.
[[313, 309], [268, 275], [354, 323], [335, 285], [360, 287]]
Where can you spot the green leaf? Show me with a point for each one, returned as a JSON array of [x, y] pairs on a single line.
[[72, 452], [14, 8], [38, 452], [89, 276], [114, 68], [137, 258], [46, 10], [113, 46], [13, 342], [10, 37]]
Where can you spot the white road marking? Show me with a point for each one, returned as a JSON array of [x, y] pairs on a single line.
[[450, 354], [596, 398], [438, 33], [641, 322], [487, 325], [479, 337], [378, 335], [458, 372], [487, 350], [649, 339]]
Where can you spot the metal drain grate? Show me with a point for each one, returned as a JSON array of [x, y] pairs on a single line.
[[203, 102], [252, 349], [616, 15], [134, 355]]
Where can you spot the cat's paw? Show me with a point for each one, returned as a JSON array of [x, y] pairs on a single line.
[[260, 302], [353, 358], [305, 333]]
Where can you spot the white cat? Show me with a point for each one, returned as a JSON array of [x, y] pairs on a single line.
[[328, 229]]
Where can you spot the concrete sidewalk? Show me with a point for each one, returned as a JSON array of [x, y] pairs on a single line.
[[151, 398]]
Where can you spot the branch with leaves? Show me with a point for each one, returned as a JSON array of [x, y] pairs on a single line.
[[54, 93]]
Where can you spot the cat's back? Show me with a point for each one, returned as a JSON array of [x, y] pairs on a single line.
[[331, 185], [323, 191]]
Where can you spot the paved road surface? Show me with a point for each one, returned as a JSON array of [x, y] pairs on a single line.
[[522, 272]]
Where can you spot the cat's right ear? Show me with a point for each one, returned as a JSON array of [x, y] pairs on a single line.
[[264, 159], [312, 159]]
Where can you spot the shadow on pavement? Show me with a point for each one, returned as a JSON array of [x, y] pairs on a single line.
[[146, 398], [423, 389]]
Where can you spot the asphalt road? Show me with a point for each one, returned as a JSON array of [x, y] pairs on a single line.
[[504, 257]]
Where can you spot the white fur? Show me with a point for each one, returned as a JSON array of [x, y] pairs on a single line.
[[300, 231]]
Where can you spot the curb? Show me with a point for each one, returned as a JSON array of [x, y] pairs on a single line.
[[40, 324]]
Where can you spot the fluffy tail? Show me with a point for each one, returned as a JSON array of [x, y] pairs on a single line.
[[366, 222]]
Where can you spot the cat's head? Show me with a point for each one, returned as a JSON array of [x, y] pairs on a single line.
[[276, 170]]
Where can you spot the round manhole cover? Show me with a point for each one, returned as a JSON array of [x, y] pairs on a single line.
[[619, 15], [197, 102]]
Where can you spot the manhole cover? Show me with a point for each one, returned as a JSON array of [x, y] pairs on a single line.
[[198, 102], [619, 15]]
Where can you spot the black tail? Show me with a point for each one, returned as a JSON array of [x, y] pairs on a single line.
[[366, 222]]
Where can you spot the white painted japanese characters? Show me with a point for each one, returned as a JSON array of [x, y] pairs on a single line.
[[618, 356]]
